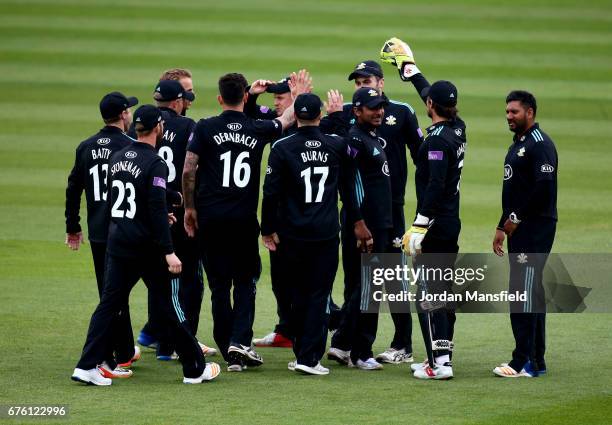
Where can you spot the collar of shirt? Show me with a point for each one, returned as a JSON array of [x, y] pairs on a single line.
[[142, 145], [232, 113], [309, 130], [367, 129], [169, 110], [437, 125], [530, 130], [111, 129]]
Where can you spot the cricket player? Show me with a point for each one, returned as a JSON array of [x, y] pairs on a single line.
[[225, 156], [170, 97], [529, 219], [300, 223], [140, 246], [436, 228], [398, 133], [280, 336], [90, 174], [357, 330]]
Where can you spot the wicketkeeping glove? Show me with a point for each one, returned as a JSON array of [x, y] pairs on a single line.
[[411, 242], [398, 53]]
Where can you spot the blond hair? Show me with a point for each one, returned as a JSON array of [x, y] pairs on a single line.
[[175, 74]]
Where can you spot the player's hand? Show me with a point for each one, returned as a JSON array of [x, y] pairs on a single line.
[[299, 83], [74, 240], [171, 219], [335, 102], [411, 242], [174, 264], [191, 222], [260, 86], [365, 242], [498, 242], [398, 53], [510, 227], [270, 241]]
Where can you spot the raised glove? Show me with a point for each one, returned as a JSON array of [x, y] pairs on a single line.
[[398, 53]]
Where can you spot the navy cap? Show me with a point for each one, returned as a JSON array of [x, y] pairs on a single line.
[[113, 104], [307, 106], [366, 69], [168, 90], [369, 98], [279, 88], [148, 116], [443, 93]]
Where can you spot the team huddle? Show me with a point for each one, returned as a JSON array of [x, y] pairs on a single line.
[[168, 197]]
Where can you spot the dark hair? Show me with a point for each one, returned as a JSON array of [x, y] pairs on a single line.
[[232, 88], [139, 128], [527, 99], [449, 112]]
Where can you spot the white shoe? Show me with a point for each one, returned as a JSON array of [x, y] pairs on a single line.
[[341, 356], [318, 369], [369, 364], [236, 367], [90, 377], [248, 355], [211, 371], [506, 371], [291, 365], [116, 373], [395, 356], [438, 372], [416, 366], [207, 351]]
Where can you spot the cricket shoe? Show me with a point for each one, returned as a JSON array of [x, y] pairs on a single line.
[[207, 351], [438, 372], [135, 358], [416, 366], [341, 356], [318, 369], [236, 365], [505, 371], [291, 365], [147, 340], [369, 364], [273, 339], [116, 373], [247, 354], [90, 377], [211, 371], [395, 356]]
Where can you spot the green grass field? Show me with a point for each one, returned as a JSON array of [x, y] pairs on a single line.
[[57, 58]]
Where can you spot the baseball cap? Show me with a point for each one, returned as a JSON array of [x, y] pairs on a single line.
[[167, 90], [366, 69], [148, 116], [114, 103], [369, 98], [443, 93], [279, 88], [307, 106]]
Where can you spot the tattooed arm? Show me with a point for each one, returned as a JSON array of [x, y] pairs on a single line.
[[189, 178]]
